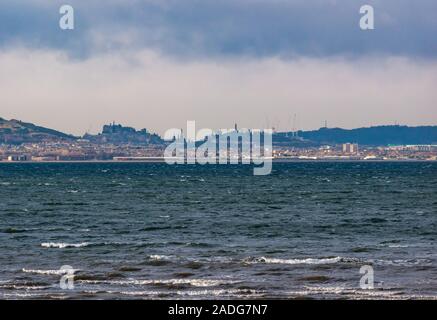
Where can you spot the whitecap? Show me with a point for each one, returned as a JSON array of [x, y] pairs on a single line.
[[159, 257], [402, 262], [45, 272], [62, 245], [20, 295], [221, 292], [195, 293], [139, 282], [138, 293], [24, 287], [352, 293], [295, 261]]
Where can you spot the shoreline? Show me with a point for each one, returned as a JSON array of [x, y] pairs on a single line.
[[163, 161]]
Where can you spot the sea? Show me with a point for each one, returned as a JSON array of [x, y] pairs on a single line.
[[309, 230]]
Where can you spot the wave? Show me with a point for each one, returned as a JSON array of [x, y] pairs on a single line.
[[62, 245], [20, 295], [340, 260], [344, 292], [45, 272], [352, 293], [23, 287], [159, 257], [294, 261], [192, 282], [237, 293], [139, 293], [402, 263]]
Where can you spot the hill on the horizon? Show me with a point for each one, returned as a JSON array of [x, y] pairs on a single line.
[[119, 135], [17, 132], [372, 136]]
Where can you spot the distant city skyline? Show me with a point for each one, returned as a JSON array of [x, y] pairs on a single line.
[[98, 128], [234, 126], [156, 64]]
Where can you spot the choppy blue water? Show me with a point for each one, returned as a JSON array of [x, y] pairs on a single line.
[[150, 230]]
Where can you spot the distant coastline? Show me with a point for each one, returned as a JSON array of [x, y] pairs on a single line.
[[162, 160], [17, 132], [20, 141]]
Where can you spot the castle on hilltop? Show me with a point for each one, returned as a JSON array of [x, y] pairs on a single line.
[[118, 134]]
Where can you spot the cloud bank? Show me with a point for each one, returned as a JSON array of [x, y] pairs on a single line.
[[211, 28], [146, 89], [158, 63]]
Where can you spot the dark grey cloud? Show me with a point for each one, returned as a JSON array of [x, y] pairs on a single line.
[[225, 28]]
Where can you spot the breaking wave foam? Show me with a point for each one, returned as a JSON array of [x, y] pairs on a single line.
[[61, 245], [46, 272], [295, 261], [192, 282]]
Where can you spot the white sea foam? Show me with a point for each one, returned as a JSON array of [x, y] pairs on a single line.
[[343, 291], [333, 260], [221, 293], [23, 287], [355, 293], [46, 272], [195, 293], [192, 282], [295, 261], [159, 257], [402, 263], [62, 245], [20, 295], [140, 293]]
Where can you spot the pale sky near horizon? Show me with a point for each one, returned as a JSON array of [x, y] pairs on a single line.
[[157, 63]]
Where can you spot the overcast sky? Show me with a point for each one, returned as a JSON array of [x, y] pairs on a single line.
[[159, 63]]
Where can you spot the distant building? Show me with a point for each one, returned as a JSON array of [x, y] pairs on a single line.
[[117, 134], [17, 158], [47, 158], [417, 148], [350, 148]]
